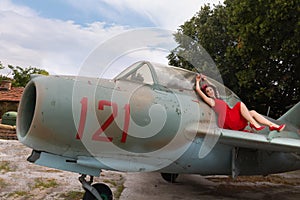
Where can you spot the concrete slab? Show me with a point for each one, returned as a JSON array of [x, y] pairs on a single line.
[[152, 186]]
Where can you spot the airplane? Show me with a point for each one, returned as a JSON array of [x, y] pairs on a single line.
[[147, 118]]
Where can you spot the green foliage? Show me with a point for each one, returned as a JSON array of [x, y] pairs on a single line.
[[2, 77], [17, 194], [22, 76], [3, 183], [44, 183], [5, 167], [254, 44], [119, 190], [202, 29], [72, 195]]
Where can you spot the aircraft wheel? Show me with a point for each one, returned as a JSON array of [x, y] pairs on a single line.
[[171, 178], [104, 191]]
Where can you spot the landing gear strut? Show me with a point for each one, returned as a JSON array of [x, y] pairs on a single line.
[[98, 191]]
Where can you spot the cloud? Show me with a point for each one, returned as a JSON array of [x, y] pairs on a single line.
[[164, 14], [116, 53], [167, 14], [59, 46], [6, 5]]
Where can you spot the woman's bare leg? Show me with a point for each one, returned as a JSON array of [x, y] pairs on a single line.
[[259, 118], [255, 118], [247, 115]]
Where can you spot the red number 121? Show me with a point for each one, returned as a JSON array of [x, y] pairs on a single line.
[[97, 135]]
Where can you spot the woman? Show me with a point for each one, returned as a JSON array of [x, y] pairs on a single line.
[[235, 118]]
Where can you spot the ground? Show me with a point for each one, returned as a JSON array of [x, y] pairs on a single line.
[[20, 180]]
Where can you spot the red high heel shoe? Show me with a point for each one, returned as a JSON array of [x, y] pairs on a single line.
[[280, 128], [258, 129]]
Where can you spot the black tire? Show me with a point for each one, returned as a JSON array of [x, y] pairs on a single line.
[[169, 177], [104, 191]]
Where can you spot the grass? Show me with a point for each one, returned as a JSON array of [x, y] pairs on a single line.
[[118, 184], [111, 182], [52, 171], [24, 194], [72, 195], [5, 167], [119, 191], [43, 183], [2, 183]]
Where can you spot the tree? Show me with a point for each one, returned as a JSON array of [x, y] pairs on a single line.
[[206, 26], [254, 44], [269, 36], [3, 77], [22, 76]]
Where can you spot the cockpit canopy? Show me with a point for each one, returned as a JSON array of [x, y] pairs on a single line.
[[153, 73], [170, 77]]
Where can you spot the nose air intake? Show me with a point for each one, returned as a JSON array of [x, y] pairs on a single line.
[[26, 110]]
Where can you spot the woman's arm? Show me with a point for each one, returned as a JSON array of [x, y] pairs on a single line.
[[203, 77], [205, 98]]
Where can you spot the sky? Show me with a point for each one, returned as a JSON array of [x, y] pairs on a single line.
[[60, 36]]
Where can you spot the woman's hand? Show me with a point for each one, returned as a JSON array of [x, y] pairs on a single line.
[[203, 77], [198, 77]]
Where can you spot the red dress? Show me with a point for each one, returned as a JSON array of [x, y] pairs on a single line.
[[229, 118]]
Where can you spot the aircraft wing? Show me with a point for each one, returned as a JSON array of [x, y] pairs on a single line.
[[284, 141], [270, 142], [257, 141]]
